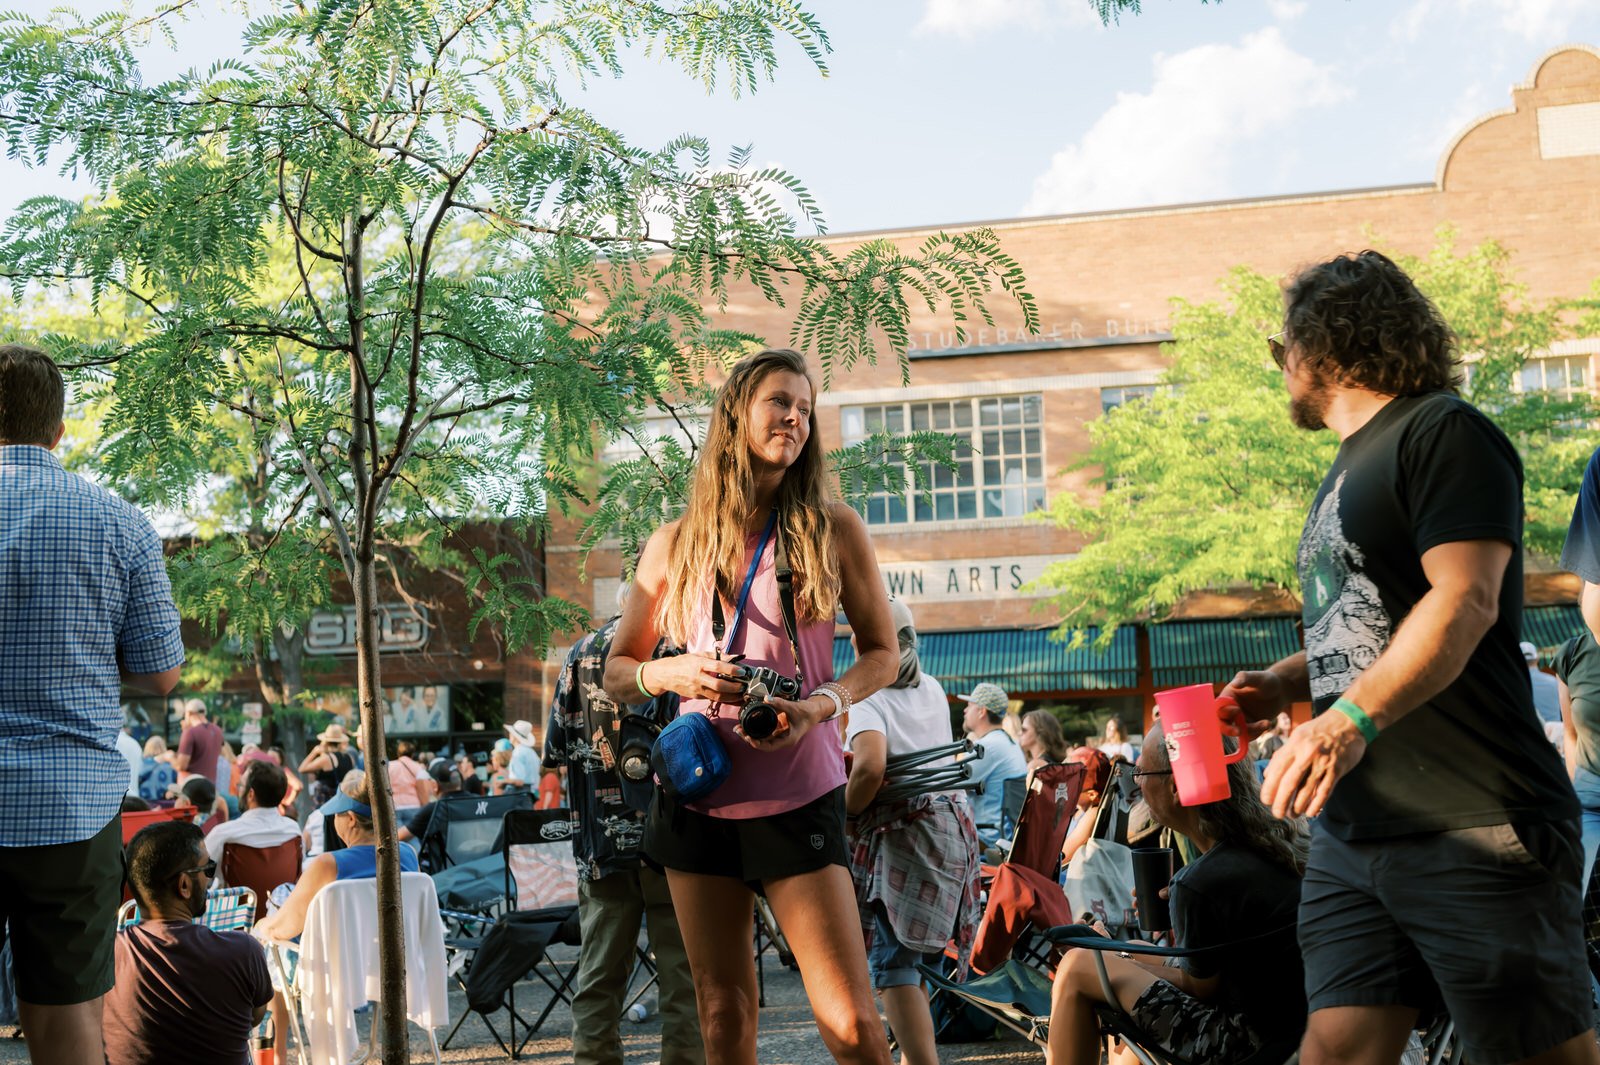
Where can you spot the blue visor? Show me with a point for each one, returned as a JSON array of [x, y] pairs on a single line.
[[344, 804]]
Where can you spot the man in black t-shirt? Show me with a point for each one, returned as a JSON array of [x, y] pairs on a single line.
[[1459, 814]]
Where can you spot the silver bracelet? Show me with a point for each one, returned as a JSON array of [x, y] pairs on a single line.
[[838, 703]]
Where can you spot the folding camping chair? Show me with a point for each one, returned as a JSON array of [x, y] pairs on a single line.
[[337, 969], [229, 909], [541, 884], [1025, 892], [464, 828], [261, 868]]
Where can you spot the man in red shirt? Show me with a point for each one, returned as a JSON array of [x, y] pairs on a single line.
[[201, 742]]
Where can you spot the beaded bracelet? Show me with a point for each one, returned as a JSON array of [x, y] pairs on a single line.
[[638, 678], [842, 699]]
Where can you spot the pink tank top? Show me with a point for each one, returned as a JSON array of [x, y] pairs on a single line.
[[763, 783]]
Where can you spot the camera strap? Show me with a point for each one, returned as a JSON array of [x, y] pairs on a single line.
[[785, 576], [717, 626]]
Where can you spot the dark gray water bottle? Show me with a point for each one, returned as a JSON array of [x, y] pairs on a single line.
[[1152, 871]]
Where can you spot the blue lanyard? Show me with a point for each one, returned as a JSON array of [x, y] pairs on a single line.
[[749, 579]]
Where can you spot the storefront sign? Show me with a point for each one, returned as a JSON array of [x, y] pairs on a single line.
[[400, 628], [950, 580], [1055, 332]]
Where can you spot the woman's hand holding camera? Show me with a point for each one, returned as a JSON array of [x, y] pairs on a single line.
[[696, 677], [795, 719]]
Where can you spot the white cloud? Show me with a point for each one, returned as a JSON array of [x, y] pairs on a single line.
[[1545, 21], [1174, 143], [1287, 10], [970, 18]]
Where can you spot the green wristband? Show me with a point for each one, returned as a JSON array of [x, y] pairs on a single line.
[[1358, 717], [638, 678]]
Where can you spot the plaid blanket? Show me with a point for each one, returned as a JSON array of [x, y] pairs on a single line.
[[919, 858]]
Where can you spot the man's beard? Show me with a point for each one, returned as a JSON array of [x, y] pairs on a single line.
[[1309, 410]]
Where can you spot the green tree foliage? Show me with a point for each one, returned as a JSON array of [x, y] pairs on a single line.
[[370, 149], [1206, 484], [1111, 11]]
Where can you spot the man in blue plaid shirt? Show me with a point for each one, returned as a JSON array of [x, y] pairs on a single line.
[[84, 604]]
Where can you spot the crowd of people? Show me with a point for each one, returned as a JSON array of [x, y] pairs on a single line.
[[1340, 892]]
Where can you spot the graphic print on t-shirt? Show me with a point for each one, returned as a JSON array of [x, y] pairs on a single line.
[[1346, 625]]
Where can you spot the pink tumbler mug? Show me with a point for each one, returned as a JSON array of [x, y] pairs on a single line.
[[1193, 734]]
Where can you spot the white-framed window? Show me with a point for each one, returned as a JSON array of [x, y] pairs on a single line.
[[1564, 376], [1112, 398], [999, 459]]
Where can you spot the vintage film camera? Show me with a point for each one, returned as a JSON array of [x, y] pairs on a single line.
[[759, 718]]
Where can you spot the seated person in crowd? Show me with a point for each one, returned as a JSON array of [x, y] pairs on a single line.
[[211, 811], [260, 824], [446, 782], [183, 993], [499, 770], [1096, 778], [1001, 760], [132, 804], [1222, 1006], [351, 811]]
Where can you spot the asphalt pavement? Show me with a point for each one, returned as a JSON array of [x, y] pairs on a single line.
[[788, 1035]]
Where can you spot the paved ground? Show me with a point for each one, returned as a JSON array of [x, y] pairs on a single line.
[[788, 1036]]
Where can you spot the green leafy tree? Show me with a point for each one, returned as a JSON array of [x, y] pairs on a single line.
[[1206, 483], [364, 144]]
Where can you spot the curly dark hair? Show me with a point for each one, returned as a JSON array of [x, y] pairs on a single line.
[[1360, 317]]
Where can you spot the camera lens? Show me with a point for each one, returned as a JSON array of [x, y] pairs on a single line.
[[635, 766], [758, 720]]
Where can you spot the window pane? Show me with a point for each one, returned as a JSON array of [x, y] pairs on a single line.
[[1578, 372], [919, 417], [897, 510], [851, 424], [1531, 378], [963, 414], [991, 471], [1011, 410], [1555, 374], [874, 419], [1035, 469], [1013, 471], [1030, 408], [992, 505], [991, 443], [946, 506], [988, 412], [941, 415], [943, 477], [1013, 441], [966, 504], [1031, 440], [894, 419], [875, 510], [1110, 399], [1013, 502], [964, 473], [1035, 499], [923, 510]]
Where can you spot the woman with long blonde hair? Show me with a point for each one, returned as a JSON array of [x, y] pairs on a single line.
[[777, 822]]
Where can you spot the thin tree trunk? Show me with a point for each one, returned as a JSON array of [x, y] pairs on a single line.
[[364, 583]]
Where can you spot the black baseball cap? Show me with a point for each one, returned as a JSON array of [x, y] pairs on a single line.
[[445, 773]]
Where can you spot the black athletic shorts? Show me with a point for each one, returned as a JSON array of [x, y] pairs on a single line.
[[1485, 919], [754, 849], [61, 901]]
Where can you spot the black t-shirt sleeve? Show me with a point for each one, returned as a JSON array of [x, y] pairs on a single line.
[[419, 820], [1461, 481], [1581, 554], [1193, 926]]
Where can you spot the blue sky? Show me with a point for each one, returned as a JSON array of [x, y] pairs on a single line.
[[950, 111]]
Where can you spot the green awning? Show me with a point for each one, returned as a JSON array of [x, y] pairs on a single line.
[[1022, 661], [1548, 627], [1211, 652]]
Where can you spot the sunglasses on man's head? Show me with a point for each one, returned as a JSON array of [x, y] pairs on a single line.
[[1275, 345]]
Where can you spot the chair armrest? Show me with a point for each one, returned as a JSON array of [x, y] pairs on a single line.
[[1085, 937]]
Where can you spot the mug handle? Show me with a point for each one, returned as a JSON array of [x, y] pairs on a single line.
[[1223, 703]]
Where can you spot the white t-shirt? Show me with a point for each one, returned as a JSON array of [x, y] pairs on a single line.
[[252, 828], [911, 719], [1114, 750], [129, 748]]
